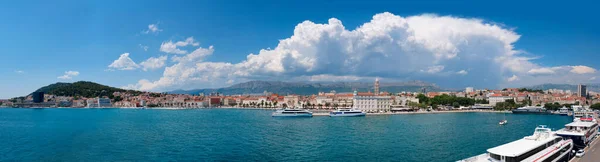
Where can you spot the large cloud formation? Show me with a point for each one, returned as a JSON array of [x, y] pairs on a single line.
[[445, 50]]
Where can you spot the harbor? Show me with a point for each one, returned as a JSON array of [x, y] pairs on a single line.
[[221, 134]]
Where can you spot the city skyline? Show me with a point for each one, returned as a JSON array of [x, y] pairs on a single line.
[[163, 47]]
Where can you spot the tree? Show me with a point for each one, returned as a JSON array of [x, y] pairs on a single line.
[[284, 105], [422, 98], [275, 103], [455, 105], [327, 105], [595, 106]]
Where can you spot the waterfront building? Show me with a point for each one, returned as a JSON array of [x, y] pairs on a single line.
[[104, 102], [582, 90], [291, 100], [98, 102], [38, 97], [496, 98], [369, 102]]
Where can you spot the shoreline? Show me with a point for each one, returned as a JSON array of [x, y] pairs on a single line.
[[316, 112]]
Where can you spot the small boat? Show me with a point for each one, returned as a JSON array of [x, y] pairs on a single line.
[[292, 113], [347, 112], [502, 122]]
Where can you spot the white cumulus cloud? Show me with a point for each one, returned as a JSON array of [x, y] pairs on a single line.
[[513, 78], [173, 47], [68, 75], [153, 63], [422, 47], [582, 69], [123, 63]]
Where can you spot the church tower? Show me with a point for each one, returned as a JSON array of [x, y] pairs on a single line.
[[376, 86]]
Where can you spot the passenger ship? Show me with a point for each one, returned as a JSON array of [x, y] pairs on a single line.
[[543, 146], [292, 113], [347, 112], [582, 131], [563, 111], [530, 110]]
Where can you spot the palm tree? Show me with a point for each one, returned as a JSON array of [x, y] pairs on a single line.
[[327, 105]]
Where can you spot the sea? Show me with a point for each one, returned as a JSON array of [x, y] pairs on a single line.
[[253, 135]]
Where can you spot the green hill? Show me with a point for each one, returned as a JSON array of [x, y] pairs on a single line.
[[82, 89]]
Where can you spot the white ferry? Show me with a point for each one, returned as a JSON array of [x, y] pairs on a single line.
[[543, 146], [563, 111], [581, 131], [292, 113], [581, 112], [347, 112]]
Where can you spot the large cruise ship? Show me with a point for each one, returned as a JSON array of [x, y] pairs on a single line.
[[530, 110], [292, 113], [543, 146], [346, 112], [582, 131]]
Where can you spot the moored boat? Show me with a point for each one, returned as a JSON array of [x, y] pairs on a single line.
[[564, 111], [530, 110], [292, 113], [544, 145], [582, 131], [346, 113]]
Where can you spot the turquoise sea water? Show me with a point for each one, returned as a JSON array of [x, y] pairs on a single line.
[[252, 135]]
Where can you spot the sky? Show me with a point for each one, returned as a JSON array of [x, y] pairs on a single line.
[[168, 45]]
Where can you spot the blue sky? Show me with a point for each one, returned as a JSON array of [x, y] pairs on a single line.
[[44, 40]]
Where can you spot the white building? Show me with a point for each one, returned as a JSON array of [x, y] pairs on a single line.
[[495, 98], [371, 103], [291, 101], [469, 90]]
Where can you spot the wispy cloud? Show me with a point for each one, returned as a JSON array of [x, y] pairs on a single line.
[[152, 28], [145, 48], [19, 71], [69, 75]]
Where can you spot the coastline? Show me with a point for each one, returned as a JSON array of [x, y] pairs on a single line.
[[315, 112]]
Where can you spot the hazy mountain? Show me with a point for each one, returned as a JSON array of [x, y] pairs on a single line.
[[590, 87], [307, 88]]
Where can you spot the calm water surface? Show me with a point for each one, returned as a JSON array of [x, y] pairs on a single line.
[[252, 135]]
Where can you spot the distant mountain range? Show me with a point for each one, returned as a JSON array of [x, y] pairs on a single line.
[[590, 87], [308, 88], [81, 89]]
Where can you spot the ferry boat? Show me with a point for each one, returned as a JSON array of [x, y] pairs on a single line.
[[543, 146], [582, 131], [292, 113], [347, 112], [581, 112], [563, 111], [530, 110]]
